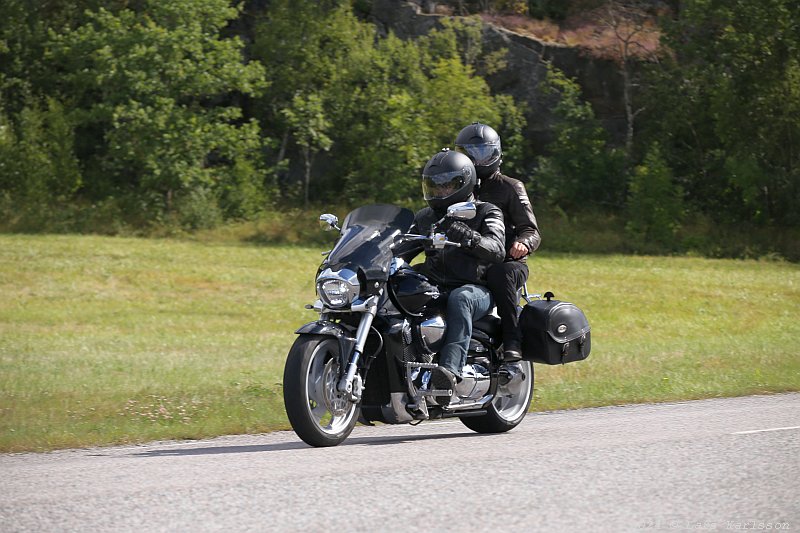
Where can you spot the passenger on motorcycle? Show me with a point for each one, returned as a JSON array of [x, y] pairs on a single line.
[[449, 177], [481, 144]]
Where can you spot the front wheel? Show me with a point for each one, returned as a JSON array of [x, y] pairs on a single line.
[[510, 403], [318, 412]]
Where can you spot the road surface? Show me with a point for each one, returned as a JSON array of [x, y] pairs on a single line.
[[723, 464]]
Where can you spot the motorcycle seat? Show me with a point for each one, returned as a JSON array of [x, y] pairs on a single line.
[[489, 324]]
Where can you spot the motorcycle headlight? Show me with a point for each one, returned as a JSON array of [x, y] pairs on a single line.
[[338, 289]]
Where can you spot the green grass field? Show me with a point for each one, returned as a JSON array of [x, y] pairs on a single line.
[[110, 340]]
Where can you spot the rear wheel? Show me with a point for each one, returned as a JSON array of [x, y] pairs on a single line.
[[511, 401], [318, 412]]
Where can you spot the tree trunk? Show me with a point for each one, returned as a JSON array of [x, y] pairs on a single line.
[[282, 151], [630, 116], [307, 182]]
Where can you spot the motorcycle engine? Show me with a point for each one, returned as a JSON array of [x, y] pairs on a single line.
[[476, 374], [475, 383], [403, 342], [419, 339], [429, 334]]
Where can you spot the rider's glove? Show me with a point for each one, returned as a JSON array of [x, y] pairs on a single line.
[[462, 234]]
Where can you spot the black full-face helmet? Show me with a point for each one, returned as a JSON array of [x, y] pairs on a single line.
[[481, 144], [448, 178]]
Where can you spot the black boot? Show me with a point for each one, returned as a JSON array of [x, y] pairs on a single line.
[[512, 352], [444, 380]]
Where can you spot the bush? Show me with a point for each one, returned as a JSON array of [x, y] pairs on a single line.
[[655, 204], [151, 88], [581, 169], [198, 209], [37, 157]]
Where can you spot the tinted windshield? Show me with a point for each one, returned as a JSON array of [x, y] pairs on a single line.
[[367, 234]]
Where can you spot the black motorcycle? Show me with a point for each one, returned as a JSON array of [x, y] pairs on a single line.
[[381, 324]]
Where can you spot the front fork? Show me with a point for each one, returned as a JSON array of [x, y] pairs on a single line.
[[351, 383]]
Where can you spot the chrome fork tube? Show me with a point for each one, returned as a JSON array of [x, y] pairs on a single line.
[[369, 309]]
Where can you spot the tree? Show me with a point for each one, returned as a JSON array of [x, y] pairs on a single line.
[[381, 106], [580, 168], [308, 48], [37, 161], [655, 203], [727, 103], [149, 91], [630, 23], [306, 119]]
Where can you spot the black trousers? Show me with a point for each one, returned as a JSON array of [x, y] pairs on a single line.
[[504, 281]]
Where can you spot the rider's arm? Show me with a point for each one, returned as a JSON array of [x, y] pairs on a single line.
[[408, 250]]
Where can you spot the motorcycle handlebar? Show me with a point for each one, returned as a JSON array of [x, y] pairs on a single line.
[[438, 240]]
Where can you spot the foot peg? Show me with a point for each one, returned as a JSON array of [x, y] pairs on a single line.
[[437, 392], [509, 373]]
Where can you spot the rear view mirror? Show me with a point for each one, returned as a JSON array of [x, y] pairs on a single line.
[[462, 211], [328, 222]]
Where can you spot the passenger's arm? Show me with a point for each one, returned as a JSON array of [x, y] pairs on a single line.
[[521, 213]]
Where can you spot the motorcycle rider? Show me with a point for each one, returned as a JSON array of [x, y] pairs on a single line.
[[449, 177], [481, 144]]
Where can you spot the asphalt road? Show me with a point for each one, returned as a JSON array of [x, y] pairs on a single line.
[[727, 464]]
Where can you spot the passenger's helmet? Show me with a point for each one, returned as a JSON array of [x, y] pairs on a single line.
[[481, 144], [448, 178]]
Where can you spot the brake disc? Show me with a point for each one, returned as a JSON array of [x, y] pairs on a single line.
[[335, 401]]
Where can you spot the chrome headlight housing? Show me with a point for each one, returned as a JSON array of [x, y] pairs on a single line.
[[338, 289]]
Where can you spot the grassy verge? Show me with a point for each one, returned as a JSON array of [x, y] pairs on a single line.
[[109, 340], [674, 329]]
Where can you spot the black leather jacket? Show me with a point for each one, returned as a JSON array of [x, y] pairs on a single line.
[[511, 197], [451, 266]]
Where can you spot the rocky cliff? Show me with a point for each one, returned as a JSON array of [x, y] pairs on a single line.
[[599, 79]]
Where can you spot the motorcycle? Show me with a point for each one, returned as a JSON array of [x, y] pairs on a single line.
[[369, 355]]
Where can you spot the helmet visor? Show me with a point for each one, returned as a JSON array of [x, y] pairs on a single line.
[[441, 186], [483, 154]]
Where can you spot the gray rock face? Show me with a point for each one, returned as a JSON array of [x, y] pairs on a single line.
[[599, 79]]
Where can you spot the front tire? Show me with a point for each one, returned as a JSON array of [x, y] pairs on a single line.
[[509, 406], [318, 412]]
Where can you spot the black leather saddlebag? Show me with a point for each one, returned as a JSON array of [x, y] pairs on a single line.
[[554, 332]]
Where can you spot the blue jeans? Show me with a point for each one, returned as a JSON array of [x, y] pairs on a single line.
[[465, 305]]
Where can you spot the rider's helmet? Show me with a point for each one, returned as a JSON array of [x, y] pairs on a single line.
[[448, 178], [482, 145]]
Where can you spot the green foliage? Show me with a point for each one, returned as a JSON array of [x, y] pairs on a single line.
[[38, 163], [655, 204], [306, 120], [123, 116], [381, 107], [512, 123], [148, 93], [198, 208], [726, 107], [581, 168], [535, 8], [456, 37]]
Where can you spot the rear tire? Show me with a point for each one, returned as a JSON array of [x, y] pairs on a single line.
[[318, 412], [509, 406]]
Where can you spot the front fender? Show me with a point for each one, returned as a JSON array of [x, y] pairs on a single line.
[[325, 327]]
